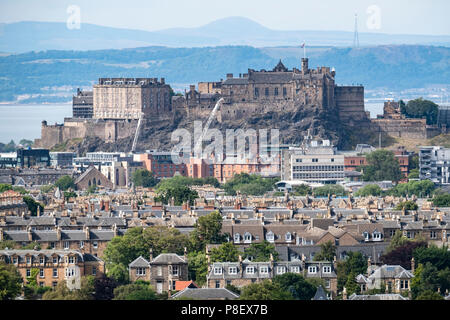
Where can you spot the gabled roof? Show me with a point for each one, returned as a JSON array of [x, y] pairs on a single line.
[[320, 294], [206, 294], [165, 258], [139, 262]]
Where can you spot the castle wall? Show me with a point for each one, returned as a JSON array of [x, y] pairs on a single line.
[[350, 103], [403, 128]]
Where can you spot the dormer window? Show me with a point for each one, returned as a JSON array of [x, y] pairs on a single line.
[[232, 270], [237, 238], [250, 270], [247, 237], [270, 236], [377, 236], [41, 260], [312, 269], [71, 260], [295, 269], [366, 236], [326, 269], [288, 237], [281, 270], [217, 270], [28, 260]]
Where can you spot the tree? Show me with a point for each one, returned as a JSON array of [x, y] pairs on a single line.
[[351, 285], [420, 108], [144, 178], [264, 290], [442, 200], [381, 165], [355, 264], [62, 292], [419, 188], [369, 190], [335, 190], [198, 267], [428, 277], [104, 288], [121, 251], [207, 230], [140, 290], [245, 183], [70, 194], [179, 194], [397, 240], [402, 255], [92, 189], [226, 252], [429, 295], [33, 205], [5, 187], [413, 174], [10, 281], [438, 257], [47, 188], [64, 183], [296, 285], [10, 244], [407, 205], [302, 190], [261, 251], [327, 252]]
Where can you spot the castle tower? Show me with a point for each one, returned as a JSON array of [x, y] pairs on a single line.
[[305, 65]]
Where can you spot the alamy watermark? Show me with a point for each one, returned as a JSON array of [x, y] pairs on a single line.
[[74, 19], [374, 19], [241, 146]]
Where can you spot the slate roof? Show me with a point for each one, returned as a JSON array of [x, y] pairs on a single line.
[[139, 262], [206, 294], [320, 294], [390, 271], [165, 258], [385, 296]]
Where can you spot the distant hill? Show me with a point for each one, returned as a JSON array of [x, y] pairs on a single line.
[[37, 36], [53, 76]]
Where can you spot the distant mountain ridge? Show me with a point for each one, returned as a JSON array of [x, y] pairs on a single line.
[[27, 36], [53, 76]]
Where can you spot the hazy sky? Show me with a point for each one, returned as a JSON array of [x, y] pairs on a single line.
[[385, 16]]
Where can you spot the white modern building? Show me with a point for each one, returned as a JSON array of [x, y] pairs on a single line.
[[434, 163]]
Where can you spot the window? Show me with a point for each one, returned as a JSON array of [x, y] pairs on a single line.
[[326, 269], [140, 271], [95, 244], [264, 270], [376, 235], [295, 269], [159, 271], [28, 260], [237, 238], [81, 244], [433, 235], [312, 269], [266, 92], [288, 237], [55, 260], [404, 284], [366, 236], [284, 91], [71, 260], [276, 91], [28, 273], [41, 260], [52, 245], [54, 284], [217, 270], [270, 236], [66, 244], [41, 273], [70, 272], [256, 92], [247, 237], [175, 271], [281, 270], [232, 270], [217, 283], [55, 273], [250, 270], [327, 283], [15, 260]]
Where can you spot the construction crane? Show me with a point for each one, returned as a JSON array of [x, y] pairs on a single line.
[[208, 123]]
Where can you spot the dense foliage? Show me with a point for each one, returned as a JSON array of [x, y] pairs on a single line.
[[144, 178], [64, 183], [381, 166], [10, 281], [420, 108], [369, 190], [329, 190], [442, 200], [247, 184]]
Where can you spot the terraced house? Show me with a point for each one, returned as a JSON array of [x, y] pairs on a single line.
[[245, 272], [54, 266]]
